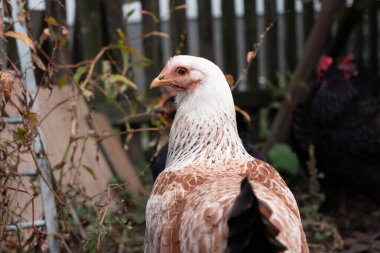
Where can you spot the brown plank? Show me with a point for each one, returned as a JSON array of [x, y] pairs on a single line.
[[116, 154]]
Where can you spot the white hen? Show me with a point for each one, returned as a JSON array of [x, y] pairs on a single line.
[[213, 196]]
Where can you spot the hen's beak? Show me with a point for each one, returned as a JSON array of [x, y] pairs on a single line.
[[159, 82]]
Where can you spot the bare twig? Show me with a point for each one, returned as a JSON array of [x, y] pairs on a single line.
[[130, 131], [92, 66], [58, 105], [252, 54]]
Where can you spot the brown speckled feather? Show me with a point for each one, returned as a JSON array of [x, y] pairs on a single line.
[[197, 206], [192, 198]]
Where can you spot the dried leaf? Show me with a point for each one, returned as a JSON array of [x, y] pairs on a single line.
[[155, 33], [44, 36], [180, 7], [151, 14], [37, 60], [230, 79], [73, 127], [90, 171], [52, 21], [250, 56], [33, 123], [6, 84], [20, 36], [244, 113]]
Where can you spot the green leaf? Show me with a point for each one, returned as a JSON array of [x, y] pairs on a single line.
[[115, 78], [322, 235], [87, 94], [20, 134], [62, 81], [121, 34], [79, 73], [137, 217], [144, 61], [282, 157], [130, 12], [90, 171], [264, 128]]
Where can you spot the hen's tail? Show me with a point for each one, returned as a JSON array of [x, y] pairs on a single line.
[[249, 227]]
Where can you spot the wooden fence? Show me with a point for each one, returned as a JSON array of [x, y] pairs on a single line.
[[224, 30]]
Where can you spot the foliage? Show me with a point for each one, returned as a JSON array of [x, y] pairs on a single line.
[[283, 158], [89, 223]]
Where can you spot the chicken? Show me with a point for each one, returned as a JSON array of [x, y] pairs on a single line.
[[342, 121], [212, 191]]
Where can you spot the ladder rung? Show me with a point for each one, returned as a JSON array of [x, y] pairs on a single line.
[[7, 20], [13, 120], [27, 173], [26, 224]]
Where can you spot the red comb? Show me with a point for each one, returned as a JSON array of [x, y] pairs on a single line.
[[347, 59], [324, 64], [348, 67]]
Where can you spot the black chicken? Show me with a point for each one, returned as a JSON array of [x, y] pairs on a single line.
[[167, 108], [342, 121]]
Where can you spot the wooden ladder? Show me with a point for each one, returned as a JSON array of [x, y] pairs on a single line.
[[44, 173]]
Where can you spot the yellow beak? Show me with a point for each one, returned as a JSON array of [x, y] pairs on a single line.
[[160, 82]]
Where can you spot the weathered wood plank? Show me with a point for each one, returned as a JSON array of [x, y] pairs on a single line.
[[178, 30], [88, 33], [290, 26], [229, 37], [250, 21], [205, 29], [152, 44], [116, 155], [373, 17], [112, 20], [308, 17], [253, 100], [271, 42]]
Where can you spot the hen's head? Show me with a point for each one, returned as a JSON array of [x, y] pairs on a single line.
[[197, 82], [348, 67]]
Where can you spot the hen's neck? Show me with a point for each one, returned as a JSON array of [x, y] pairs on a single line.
[[205, 136]]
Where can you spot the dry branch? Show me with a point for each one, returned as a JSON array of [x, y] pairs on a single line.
[[313, 47]]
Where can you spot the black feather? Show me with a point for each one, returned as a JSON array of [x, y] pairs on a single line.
[[249, 229]]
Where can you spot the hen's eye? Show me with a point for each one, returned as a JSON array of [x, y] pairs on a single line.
[[181, 71]]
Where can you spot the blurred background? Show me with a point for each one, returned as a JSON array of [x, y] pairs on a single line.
[[79, 76]]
